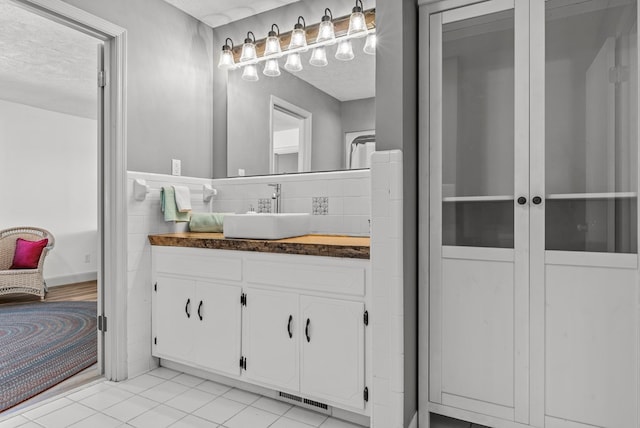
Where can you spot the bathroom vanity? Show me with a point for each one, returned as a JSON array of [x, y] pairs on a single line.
[[289, 315]]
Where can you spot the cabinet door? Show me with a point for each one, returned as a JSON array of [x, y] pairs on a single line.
[[217, 316], [479, 189], [332, 334], [270, 338], [173, 312], [586, 312]]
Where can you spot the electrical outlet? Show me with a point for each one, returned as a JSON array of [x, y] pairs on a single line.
[[176, 167]]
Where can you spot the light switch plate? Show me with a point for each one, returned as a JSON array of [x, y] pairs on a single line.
[[176, 167]]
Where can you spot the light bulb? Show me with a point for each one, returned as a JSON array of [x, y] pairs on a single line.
[[298, 35], [370, 44], [271, 68], [248, 48], [357, 23], [326, 30], [294, 63], [226, 57], [319, 57], [344, 51], [272, 45], [226, 60], [250, 73]]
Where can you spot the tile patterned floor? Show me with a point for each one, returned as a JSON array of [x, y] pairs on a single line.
[[166, 398]]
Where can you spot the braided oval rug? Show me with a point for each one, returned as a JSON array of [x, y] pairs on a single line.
[[42, 344]]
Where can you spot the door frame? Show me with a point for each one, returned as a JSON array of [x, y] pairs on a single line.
[[112, 167]]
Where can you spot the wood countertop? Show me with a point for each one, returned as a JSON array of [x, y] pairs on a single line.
[[311, 245]]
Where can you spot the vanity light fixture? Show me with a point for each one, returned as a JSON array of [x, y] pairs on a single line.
[[249, 48], [345, 50], [299, 35], [357, 23], [326, 30], [226, 57], [272, 45], [370, 44]]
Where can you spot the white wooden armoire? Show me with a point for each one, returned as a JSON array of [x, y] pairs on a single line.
[[529, 212]]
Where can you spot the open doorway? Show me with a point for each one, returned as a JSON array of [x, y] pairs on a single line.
[[50, 144], [290, 138], [110, 165]]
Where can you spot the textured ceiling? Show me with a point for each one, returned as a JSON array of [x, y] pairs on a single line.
[[219, 12], [45, 64]]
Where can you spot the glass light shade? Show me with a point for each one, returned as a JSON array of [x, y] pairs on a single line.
[[272, 46], [344, 51], [326, 32], [298, 38], [226, 60], [370, 44], [248, 52], [271, 68], [357, 24], [294, 63], [250, 73], [319, 57]]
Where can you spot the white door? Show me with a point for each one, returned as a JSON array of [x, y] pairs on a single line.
[[270, 331], [332, 334], [479, 197], [585, 296], [173, 312], [217, 319]]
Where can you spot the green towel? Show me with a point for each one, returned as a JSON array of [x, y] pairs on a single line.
[[206, 222], [169, 207]]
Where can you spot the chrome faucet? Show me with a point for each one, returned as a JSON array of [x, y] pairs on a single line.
[[275, 197]]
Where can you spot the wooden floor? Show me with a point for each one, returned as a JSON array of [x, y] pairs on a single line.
[[82, 291]]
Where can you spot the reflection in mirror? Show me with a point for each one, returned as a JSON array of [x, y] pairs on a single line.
[[339, 97], [290, 138]]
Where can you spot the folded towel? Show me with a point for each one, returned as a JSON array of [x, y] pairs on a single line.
[[183, 198], [169, 207], [206, 222]]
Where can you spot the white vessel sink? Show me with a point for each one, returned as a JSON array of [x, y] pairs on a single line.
[[266, 226]]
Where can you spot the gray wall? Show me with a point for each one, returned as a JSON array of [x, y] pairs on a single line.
[[169, 84], [396, 128], [248, 106], [358, 115]]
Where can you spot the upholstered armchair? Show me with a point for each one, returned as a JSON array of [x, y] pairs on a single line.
[[22, 280]]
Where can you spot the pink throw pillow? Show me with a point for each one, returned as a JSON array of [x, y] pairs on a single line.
[[27, 253]]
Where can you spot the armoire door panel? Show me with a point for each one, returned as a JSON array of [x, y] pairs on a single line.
[[477, 330], [591, 357]]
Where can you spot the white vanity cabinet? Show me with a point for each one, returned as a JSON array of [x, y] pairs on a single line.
[[292, 323], [530, 113]]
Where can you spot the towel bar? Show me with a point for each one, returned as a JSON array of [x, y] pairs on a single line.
[[141, 188]]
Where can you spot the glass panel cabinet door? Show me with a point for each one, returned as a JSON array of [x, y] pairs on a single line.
[[478, 130], [590, 126]]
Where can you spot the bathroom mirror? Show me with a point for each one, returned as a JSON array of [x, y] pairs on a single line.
[[324, 109]]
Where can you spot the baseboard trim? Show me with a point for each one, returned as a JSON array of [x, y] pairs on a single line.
[[71, 279]]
